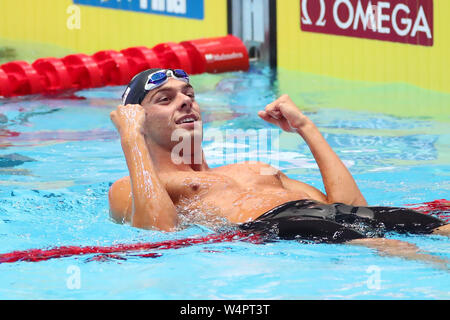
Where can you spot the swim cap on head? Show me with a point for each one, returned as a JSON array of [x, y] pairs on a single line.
[[135, 91], [148, 80]]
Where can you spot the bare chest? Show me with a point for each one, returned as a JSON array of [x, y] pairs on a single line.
[[230, 179], [237, 193]]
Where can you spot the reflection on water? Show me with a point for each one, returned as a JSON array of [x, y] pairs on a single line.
[[72, 125], [60, 155]]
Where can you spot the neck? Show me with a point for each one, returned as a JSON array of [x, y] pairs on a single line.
[[165, 160]]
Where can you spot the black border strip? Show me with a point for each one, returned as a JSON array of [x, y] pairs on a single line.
[[273, 33], [229, 16]]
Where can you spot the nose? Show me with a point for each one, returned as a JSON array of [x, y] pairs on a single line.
[[185, 103]]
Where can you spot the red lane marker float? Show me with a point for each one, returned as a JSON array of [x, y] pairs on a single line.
[[83, 71], [439, 205], [23, 78], [114, 67], [173, 56], [54, 74], [109, 67], [140, 59], [220, 54], [35, 255], [5, 89]]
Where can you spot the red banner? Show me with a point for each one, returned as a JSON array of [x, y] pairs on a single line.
[[406, 21]]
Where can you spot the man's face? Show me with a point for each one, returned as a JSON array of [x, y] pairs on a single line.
[[168, 108]]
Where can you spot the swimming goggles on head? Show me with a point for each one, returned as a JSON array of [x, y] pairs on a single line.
[[158, 78]]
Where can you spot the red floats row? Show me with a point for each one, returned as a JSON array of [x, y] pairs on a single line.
[[109, 67]]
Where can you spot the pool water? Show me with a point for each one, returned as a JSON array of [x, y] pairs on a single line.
[[59, 156]]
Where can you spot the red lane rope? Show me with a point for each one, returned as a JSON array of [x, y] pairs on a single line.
[[436, 205], [441, 206], [35, 255], [109, 67]]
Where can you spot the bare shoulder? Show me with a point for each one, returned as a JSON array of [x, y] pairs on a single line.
[[120, 200]]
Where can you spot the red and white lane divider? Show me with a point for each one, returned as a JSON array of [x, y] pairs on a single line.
[[109, 67]]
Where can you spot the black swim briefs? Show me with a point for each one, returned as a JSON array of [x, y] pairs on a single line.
[[311, 220]]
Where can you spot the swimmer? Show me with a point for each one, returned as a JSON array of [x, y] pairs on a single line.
[[159, 192]]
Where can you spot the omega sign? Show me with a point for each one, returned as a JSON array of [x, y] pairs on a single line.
[[406, 21]]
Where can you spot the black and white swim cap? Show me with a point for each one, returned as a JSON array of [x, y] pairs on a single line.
[[135, 91]]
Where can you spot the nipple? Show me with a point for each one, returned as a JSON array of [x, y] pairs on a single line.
[[195, 186]]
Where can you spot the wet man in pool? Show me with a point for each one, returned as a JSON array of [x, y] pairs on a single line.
[[160, 192]]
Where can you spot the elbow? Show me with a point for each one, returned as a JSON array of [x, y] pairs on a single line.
[[357, 202], [161, 218], [360, 202], [158, 226]]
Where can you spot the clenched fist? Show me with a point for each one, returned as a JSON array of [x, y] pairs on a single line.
[[129, 119], [284, 113]]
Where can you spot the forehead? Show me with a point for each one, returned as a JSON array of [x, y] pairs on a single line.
[[171, 84]]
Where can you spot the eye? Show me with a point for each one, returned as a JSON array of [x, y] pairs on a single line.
[[163, 99], [190, 95]]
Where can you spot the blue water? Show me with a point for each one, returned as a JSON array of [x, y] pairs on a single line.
[[58, 158]]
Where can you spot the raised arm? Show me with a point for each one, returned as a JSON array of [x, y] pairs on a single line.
[[339, 183], [151, 204]]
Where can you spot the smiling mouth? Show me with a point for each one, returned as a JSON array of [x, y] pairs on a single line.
[[186, 119]]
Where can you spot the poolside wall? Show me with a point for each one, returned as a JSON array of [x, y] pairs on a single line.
[[365, 74], [317, 69], [354, 58], [58, 27]]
